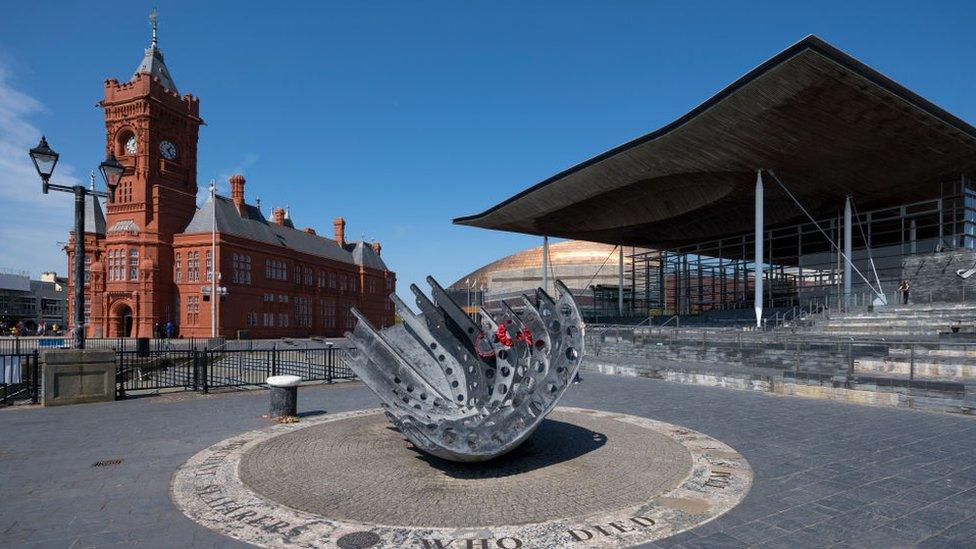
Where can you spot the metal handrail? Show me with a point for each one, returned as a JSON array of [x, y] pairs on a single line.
[[675, 318]]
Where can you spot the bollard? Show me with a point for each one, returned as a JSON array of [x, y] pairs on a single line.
[[284, 395]]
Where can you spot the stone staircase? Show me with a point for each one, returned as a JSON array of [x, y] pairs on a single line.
[[924, 373], [912, 322]]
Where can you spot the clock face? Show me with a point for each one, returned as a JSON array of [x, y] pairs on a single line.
[[130, 145], [167, 149]]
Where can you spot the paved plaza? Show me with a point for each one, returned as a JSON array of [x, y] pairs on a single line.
[[825, 472]]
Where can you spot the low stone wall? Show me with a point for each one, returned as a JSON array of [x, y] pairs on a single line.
[[710, 379], [70, 376], [955, 372], [865, 395]]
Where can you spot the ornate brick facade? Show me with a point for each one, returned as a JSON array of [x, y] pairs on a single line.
[[150, 257]]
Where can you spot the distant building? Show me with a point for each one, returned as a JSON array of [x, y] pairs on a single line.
[[32, 302], [149, 256], [590, 269]]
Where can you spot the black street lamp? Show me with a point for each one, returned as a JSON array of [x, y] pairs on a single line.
[[45, 159]]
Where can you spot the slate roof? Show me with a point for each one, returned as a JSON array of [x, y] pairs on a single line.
[[252, 225], [152, 64], [364, 254], [94, 218]]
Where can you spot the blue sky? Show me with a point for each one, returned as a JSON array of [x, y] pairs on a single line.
[[400, 115]]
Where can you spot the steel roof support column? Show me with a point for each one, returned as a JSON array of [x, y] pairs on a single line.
[[758, 301], [545, 263], [620, 283], [848, 247]]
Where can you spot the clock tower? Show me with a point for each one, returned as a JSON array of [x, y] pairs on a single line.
[[152, 130]]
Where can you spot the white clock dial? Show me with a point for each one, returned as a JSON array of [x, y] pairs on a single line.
[[167, 149], [130, 145]]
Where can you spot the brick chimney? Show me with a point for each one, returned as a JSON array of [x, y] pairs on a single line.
[[377, 247], [237, 191], [278, 216], [339, 228]]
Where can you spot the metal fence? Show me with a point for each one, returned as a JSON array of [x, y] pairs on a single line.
[[203, 370], [158, 369], [19, 378]]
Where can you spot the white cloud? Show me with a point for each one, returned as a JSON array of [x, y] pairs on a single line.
[[31, 224]]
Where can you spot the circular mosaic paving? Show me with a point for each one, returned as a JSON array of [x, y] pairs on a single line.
[[586, 478]]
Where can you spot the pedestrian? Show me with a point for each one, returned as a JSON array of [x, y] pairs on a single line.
[[904, 288], [156, 331], [169, 330]]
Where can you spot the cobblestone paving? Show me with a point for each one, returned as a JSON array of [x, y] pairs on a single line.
[[826, 473], [574, 465]]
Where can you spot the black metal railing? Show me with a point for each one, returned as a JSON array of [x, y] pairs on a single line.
[[141, 372], [19, 378], [157, 369]]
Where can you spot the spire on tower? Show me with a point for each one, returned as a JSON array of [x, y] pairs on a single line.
[[155, 25], [152, 62]]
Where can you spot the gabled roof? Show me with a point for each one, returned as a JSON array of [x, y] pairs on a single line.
[[252, 225], [827, 124]]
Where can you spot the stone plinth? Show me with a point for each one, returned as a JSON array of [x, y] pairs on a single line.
[[72, 376]]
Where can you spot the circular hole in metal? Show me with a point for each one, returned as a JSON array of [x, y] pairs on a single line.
[[454, 383], [502, 389], [448, 371], [433, 344], [460, 398], [470, 330], [552, 388], [441, 358], [423, 396], [505, 371], [396, 380], [566, 310], [503, 354], [571, 353], [540, 368], [409, 388], [540, 345]]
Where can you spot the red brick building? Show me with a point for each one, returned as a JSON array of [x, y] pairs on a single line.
[[150, 255]]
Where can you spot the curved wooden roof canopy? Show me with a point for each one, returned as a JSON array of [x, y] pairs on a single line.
[[827, 124]]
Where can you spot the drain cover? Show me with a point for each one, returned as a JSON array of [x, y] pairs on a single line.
[[106, 462]]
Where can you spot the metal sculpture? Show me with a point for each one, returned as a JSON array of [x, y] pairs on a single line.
[[468, 391]]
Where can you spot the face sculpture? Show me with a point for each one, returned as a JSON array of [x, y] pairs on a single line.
[[470, 391]]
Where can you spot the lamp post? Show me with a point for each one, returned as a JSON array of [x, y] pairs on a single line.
[[45, 159]]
